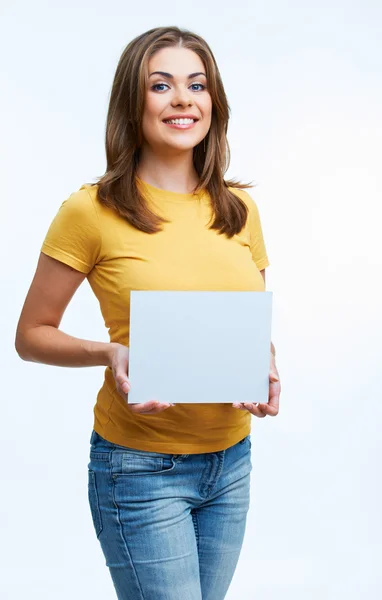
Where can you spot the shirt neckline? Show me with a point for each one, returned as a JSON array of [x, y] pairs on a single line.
[[170, 195]]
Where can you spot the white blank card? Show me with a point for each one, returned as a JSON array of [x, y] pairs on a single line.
[[193, 347]]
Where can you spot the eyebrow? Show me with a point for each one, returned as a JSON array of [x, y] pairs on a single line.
[[169, 76]]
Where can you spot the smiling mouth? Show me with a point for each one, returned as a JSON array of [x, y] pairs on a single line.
[[182, 124], [180, 119]]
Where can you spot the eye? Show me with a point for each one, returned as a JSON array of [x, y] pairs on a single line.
[[201, 85], [153, 87], [156, 85]]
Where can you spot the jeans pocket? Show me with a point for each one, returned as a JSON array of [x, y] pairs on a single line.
[[136, 464], [94, 502], [246, 440]]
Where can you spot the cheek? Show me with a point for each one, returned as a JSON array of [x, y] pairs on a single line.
[[154, 106], [151, 115], [207, 108]]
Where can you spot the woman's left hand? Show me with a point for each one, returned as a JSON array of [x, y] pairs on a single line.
[[272, 407]]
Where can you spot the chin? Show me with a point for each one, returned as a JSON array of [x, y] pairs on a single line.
[[182, 147]]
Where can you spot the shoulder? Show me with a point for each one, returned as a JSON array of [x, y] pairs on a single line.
[[83, 199], [82, 206], [76, 216], [78, 203]]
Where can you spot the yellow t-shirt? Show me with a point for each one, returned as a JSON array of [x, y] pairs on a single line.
[[186, 255]]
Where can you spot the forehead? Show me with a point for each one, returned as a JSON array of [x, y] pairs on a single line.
[[180, 62]]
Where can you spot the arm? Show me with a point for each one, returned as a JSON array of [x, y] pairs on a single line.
[[38, 338]]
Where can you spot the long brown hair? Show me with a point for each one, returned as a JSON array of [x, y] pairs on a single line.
[[118, 187]]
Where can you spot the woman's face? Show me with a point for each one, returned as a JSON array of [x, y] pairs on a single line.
[[173, 93]]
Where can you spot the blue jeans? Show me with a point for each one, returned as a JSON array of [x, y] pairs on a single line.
[[171, 526]]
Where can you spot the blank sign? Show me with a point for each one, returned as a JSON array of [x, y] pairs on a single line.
[[194, 347]]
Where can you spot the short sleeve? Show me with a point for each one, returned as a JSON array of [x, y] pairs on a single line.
[[74, 236], [257, 244]]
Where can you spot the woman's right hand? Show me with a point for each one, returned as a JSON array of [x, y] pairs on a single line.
[[120, 367]]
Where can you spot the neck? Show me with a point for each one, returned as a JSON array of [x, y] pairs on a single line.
[[173, 171]]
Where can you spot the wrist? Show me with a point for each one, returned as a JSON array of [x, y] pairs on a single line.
[[109, 353]]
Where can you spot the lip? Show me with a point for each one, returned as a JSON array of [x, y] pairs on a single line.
[[181, 126], [183, 116]]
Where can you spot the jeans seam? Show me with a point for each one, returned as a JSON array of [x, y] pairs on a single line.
[[120, 525], [196, 528], [94, 503]]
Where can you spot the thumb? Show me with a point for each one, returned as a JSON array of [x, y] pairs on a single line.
[[123, 382], [273, 376]]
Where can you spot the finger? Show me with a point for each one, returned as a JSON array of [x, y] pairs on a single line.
[[273, 376], [151, 407], [123, 382], [253, 406], [254, 409], [268, 409], [272, 408], [126, 387], [122, 393]]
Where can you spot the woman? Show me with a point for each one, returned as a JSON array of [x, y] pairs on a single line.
[[168, 484]]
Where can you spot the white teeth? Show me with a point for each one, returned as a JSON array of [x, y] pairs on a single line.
[[180, 121]]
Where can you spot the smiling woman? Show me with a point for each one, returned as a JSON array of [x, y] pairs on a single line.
[[165, 74], [169, 125], [181, 120], [168, 485]]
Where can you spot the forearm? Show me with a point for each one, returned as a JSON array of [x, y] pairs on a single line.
[[51, 346]]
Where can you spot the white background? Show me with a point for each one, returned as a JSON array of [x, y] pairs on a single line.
[[304, 84]]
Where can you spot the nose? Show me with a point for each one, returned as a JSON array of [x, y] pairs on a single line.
[[181, 96]]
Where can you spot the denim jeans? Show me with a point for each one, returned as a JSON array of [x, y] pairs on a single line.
[[171, 526]]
